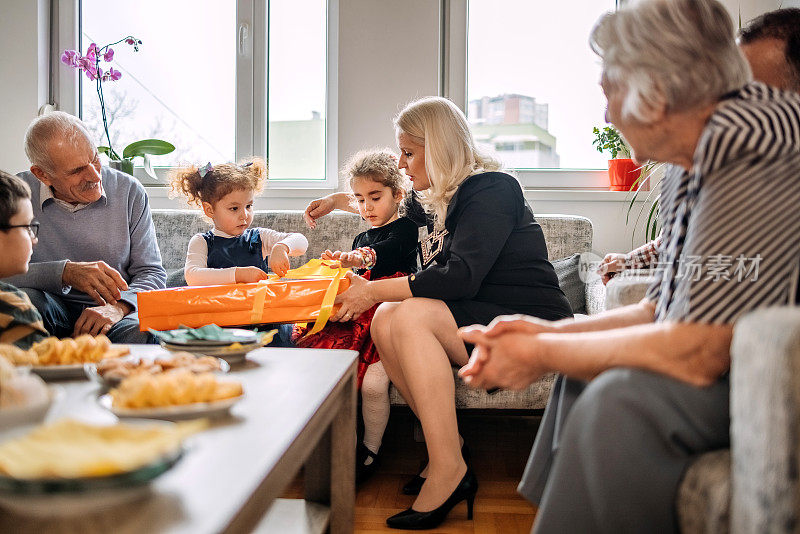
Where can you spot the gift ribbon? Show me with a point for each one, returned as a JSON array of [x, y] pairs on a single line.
[[313, 269], [327, 304]]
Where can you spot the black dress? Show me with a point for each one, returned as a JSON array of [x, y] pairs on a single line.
[[491, 258], [395, 246]]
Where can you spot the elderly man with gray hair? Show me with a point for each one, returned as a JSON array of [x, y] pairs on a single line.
[[644, 389], [97, 244]]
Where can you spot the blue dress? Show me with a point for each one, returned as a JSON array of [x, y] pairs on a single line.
[[244, 251]]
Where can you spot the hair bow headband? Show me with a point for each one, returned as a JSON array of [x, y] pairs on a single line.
[[205, 169]]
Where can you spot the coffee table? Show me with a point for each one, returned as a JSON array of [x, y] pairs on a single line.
[[298, 411]]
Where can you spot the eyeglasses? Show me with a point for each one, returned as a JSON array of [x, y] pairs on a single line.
[[32, 228]]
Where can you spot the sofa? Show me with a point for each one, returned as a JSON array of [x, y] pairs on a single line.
[[567, 236], [754, 486]]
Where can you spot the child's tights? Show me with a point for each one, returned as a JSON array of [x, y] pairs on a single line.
[[375, 405]]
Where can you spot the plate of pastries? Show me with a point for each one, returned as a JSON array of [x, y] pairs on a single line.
[[70, 467], [172, 395], [55, 359], [111, 372]]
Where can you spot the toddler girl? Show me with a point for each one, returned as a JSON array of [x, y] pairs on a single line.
[[387, 250], [232, 252]]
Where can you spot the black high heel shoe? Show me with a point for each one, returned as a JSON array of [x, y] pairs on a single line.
[[412, 520], [413, 486]]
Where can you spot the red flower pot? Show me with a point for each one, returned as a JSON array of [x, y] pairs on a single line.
[[622, 173]]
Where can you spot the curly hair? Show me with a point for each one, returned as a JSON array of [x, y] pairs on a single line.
[[12, 190], [378, 164], [220, 180]]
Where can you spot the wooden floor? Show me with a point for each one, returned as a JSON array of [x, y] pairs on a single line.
[[499, 446]]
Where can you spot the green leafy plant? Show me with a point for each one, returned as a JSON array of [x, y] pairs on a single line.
[[609, 140], [96, 65], [651, 174]]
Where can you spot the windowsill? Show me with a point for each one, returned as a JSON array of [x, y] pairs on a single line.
[[583, 195]]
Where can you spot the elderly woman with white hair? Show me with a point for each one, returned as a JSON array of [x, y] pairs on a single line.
[[484, 256], [644, 389]]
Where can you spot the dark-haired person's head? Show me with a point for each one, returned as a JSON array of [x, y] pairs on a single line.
[[17, 227], [771, 44]]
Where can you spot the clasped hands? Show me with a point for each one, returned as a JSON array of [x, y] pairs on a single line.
[[506, 353], [104, 285]]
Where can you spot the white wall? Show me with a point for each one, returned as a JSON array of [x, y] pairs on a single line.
[[388, 55], [24, 78]]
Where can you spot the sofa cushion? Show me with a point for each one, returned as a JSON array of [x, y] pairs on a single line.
[[534, 397], [570, 281]]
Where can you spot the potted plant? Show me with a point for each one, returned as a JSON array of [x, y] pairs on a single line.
[[623, 173], [90, 65]]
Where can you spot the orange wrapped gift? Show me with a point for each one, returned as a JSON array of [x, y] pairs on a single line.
[[305, 294]]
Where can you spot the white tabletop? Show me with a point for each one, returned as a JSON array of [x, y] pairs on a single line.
[[226, 464]]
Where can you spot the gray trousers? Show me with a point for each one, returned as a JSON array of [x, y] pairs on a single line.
[[610, 453], [59, 317]]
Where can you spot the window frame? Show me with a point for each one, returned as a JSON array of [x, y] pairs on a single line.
[[453, 79], [252, 72]]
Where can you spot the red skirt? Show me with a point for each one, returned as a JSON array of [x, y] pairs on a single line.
[[351, 335]]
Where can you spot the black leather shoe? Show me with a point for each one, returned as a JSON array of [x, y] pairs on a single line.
[[363, 470], [413, 486], [412, 520]]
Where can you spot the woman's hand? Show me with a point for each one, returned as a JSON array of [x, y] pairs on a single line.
[[518, 323], [279, 259], [249, 275], [355, 301], [510, 360], [611, 265], [323, 206]]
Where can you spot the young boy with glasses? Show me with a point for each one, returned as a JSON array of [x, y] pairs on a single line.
[[20, 322]]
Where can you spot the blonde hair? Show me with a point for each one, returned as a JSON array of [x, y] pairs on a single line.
[[379, 165], [220, 180], [450, 153]]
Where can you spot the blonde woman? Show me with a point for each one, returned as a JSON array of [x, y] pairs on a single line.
[[484, 256]]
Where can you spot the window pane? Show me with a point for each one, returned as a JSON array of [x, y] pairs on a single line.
[[297, 76], [532, 82], [179, 86]]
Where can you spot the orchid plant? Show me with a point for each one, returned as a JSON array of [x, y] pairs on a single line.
[[90, 64]]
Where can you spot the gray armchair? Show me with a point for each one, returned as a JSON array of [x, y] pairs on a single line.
[[754, 486]]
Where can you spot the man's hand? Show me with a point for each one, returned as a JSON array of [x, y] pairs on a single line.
[[509, 360], [611, 265], [355, 301], [96, 279], [347, 259], [249, 275], [100, 319], [279, 259]]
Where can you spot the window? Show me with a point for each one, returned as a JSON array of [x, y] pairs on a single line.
[[221, 80], [532, 85], [181, 84]]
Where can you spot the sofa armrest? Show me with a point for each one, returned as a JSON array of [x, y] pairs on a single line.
[[765, 421], [595, 296], [627, 288]]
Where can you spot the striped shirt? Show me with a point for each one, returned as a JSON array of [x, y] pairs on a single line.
[[731, 239], [20, 322]]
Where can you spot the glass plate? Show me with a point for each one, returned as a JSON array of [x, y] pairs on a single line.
[[237, 335], [173, 413]]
